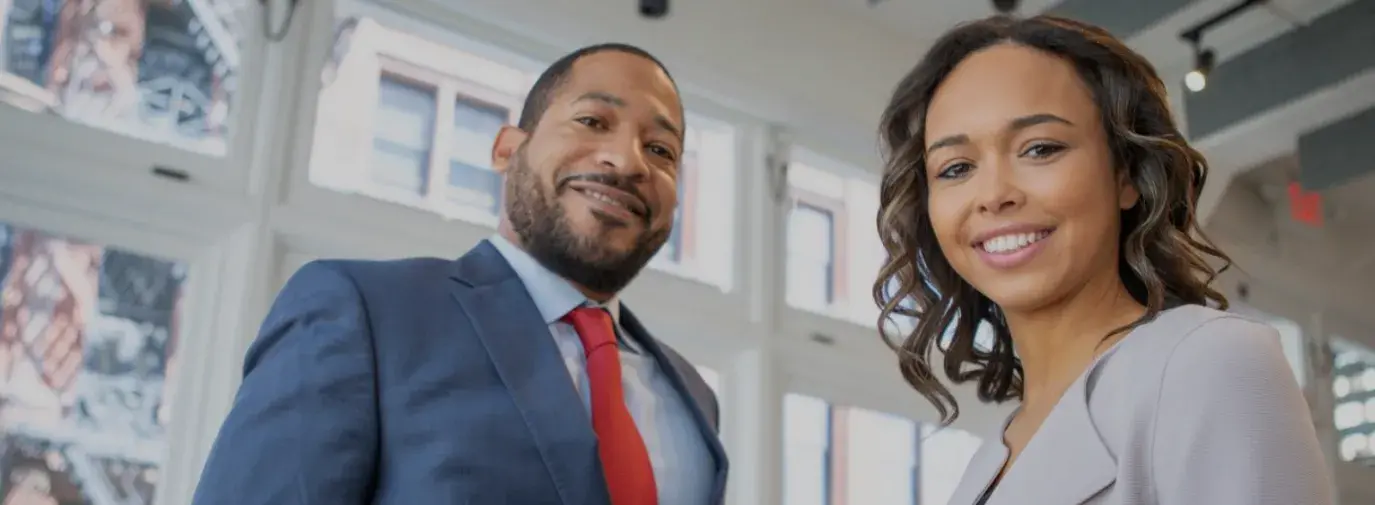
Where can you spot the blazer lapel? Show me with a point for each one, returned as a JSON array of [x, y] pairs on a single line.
[[525, 356], [707, 429], [982, 469], [1065, 462]]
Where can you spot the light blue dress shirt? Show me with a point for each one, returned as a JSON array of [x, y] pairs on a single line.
[[683, 466]]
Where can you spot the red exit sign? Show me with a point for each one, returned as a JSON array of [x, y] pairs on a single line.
[[1305, 206]]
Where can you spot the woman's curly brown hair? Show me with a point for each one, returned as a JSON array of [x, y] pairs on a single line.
[[1164, 255]]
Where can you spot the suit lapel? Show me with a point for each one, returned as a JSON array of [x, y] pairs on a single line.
[[527, 359], [1065, 462], [675, 377], [980, 472]]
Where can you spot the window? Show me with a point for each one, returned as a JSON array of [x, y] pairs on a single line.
[[673, 249], [402, 132], [880, 457], [1353, 385], [712, 378], [472, 182], [706, 200], [833, 251], [806, 451], [944, 454], [427, 141], [811, 269], [88, 339], [835, 455], [165, 72]]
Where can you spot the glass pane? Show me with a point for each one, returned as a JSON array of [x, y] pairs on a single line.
[[472, 183], [474, 186], [165, 72], [811, 233], [88, 336], [806, 450], [403, 130], [1291, 338], [475, 129], [673, 249], [1353, 385], [808, 284], [810, 271], [712, 378], [405, 114], [881, 460], [945, 452]]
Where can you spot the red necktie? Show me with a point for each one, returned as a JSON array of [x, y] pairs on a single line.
[[625, 461]]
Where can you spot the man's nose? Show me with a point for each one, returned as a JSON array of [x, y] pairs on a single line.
[[622, 153]]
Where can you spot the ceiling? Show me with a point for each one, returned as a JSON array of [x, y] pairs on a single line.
[[929, 19]]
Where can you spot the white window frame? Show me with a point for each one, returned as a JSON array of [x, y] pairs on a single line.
[[835, 210], [204, 339], [870, 390], [448, 90], [369, 205], [839, 324], [128, 159], [700, 256]]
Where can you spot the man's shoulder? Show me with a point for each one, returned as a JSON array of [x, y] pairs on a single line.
[[386, 266], [365, 273]]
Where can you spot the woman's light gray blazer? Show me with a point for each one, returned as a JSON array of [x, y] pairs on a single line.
[[1198, 407]]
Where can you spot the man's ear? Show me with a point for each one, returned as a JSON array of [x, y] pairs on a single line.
[[509, 139]]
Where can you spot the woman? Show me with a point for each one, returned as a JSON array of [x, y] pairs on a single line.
[[1037, 184]]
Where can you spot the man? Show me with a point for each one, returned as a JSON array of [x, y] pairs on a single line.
[[485, 380]]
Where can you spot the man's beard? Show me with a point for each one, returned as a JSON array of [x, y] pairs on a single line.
[[541, 222]]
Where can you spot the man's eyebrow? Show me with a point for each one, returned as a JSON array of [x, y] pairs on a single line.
[[616, 101], [667, 124], [602, 96]]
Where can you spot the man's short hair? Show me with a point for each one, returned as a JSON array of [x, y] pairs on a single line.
[[537, 101]]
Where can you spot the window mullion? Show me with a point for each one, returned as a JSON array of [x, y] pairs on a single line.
[[437, 186]]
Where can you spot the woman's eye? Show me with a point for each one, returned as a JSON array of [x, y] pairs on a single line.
[[591, 122], [1043, 150], [954, 171]]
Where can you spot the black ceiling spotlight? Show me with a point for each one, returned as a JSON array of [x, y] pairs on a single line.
[[1204, 58], [654, 9], [1006, 6], [1197, 79]]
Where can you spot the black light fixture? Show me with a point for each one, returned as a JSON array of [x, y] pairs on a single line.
[[1204, 58], [1197, 79], [654, 9]]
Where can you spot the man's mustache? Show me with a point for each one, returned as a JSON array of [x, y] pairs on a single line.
[[620, 182]]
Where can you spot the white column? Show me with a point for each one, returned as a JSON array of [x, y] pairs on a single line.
[[754, 405], [754, 430]]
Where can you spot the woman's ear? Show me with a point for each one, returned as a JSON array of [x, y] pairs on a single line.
[[1127, 195]]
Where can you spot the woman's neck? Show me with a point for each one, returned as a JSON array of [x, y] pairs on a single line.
[[1057, 342]]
